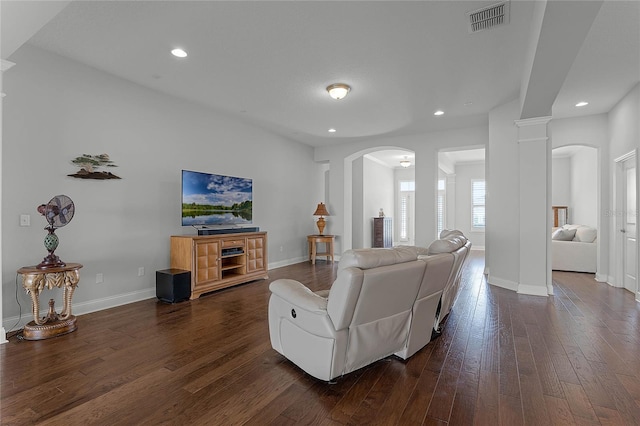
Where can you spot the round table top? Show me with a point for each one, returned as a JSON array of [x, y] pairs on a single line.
[[56, 269]]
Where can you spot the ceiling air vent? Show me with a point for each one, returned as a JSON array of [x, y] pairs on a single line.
[[488, 17]]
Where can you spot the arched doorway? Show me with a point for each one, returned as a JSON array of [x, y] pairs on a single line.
[[575, 196], [381, 183]]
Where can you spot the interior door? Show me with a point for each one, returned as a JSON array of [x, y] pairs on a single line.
[[628, 230]]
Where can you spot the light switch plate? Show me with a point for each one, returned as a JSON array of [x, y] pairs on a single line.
[[25, 220]]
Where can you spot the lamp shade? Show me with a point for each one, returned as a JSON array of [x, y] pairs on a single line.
[[321, 210]]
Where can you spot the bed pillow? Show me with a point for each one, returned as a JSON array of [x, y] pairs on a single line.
[[563, 234]]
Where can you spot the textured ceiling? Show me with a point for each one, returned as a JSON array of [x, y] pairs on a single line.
[[268, 63]]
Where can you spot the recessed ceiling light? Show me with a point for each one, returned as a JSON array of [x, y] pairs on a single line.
[[581, 104], [332, 130], [438, 112], [179, 53]]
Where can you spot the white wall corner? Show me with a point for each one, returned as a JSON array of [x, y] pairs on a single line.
[[601, 278], [533, 290], [611, 280], [502, 283], [3, 336]]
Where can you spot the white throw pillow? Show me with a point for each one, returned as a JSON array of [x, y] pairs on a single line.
[[563, 234], [586, 234]]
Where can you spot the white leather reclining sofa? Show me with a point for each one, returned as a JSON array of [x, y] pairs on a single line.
[[383, 302]]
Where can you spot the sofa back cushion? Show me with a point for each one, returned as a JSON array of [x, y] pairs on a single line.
[[450, 243], [439, 268], [382, 314], [375, 257]]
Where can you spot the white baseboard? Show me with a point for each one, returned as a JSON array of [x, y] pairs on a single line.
[[533, 290], [502, 283], [87, 307], [481, 248], [81, 308], [601, 278], [611, 280], [286, 262], [295, 260]]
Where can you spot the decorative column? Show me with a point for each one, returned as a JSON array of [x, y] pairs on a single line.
[[535, 206]]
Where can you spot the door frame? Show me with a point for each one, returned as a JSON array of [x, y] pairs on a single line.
[[619, 215]]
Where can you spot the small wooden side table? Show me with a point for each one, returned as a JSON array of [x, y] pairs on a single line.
[[34, 280], [328, 244]]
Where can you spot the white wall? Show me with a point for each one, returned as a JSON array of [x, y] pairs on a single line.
[[584, 187], [561, 181], [357, 203], [624, 137], [503, 184], [57, 109], [378, 193], [465, 173]]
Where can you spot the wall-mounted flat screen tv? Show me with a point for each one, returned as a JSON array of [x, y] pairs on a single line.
[[210, 199]]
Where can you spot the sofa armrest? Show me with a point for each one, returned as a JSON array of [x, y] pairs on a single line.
[[297, 294]]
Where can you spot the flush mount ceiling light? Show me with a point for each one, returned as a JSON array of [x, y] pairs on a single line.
[[338, 90], [405, 163], [581, 104], [179, 53], [438, 112], [332, 130]]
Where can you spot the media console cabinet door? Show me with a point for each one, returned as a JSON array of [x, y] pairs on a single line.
[[256, 254], [207, 258]]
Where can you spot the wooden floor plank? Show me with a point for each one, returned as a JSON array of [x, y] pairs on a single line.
[[502, 359]]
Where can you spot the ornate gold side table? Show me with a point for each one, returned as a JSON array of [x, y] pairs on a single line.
[[34, 280]]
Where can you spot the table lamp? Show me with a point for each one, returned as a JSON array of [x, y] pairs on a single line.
[[321, 211]]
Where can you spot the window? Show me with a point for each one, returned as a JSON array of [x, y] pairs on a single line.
[[441, 205], [478, 192], [405, 224]]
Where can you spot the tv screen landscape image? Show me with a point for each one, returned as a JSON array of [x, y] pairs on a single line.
[[210, 199]]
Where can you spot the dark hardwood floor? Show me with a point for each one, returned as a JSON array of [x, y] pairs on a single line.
[[503, 359]]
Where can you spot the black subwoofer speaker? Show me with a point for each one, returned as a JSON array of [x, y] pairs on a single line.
[[173, 285]]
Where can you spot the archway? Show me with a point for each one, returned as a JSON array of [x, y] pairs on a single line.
[[373, 181], [575, 193]]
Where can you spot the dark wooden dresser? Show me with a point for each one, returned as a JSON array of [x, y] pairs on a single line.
[[382, 232]]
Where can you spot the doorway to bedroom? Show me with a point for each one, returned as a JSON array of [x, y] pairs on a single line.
[[575, 201]]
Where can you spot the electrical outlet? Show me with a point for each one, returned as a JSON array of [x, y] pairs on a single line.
[[25, 220], [141, 271], [99, 278]]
